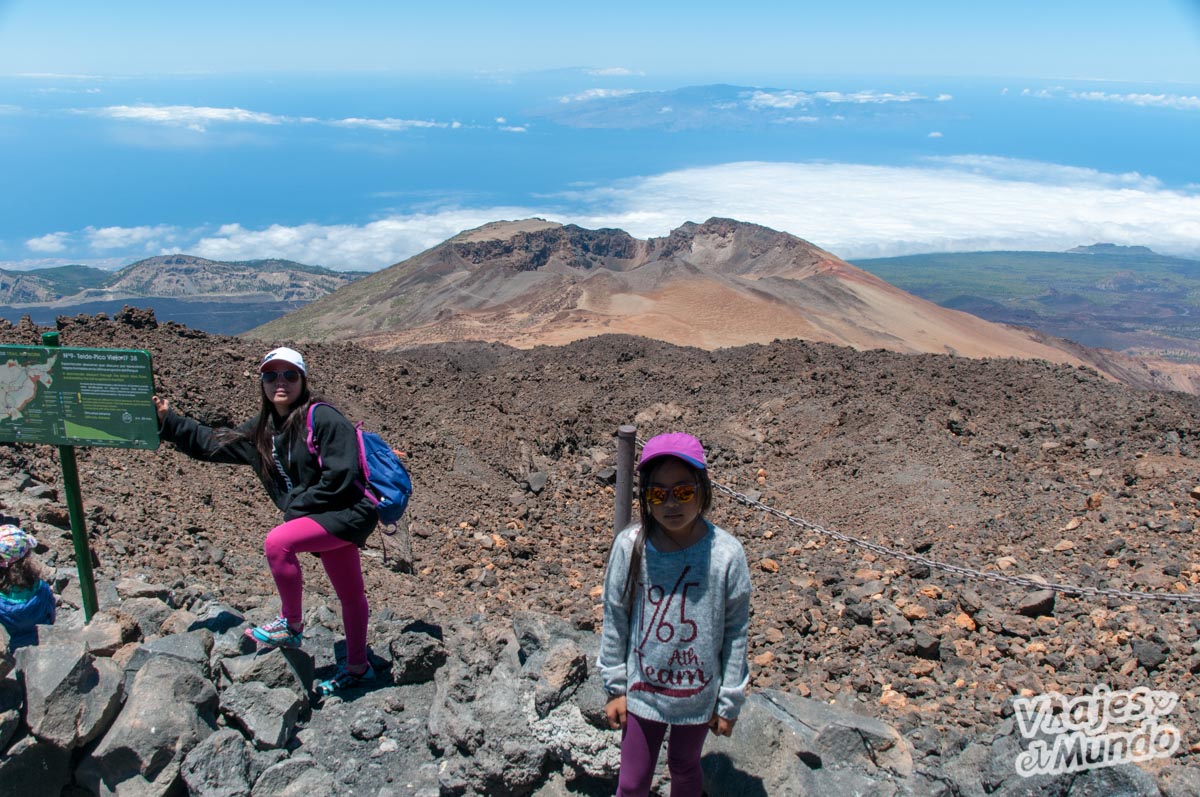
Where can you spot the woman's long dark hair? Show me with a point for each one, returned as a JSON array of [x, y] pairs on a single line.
[[648, 523], [264, 430]]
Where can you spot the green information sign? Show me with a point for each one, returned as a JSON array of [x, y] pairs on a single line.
[[77, 397]]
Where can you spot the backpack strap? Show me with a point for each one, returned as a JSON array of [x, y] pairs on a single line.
[[310, 439], [363, 468]]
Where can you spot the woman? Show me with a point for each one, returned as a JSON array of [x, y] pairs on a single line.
[[324, 508]]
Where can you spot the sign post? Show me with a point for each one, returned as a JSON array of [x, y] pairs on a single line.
[[70, 397]]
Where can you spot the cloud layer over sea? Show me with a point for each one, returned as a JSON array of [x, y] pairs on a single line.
[[946, 204]]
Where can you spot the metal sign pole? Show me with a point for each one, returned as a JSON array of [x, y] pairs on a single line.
[[83, 554], [626, 439]]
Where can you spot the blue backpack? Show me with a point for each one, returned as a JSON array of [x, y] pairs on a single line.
[[388, 484]]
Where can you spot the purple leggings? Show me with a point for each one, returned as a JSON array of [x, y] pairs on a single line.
[[639, 755], [341, 561]]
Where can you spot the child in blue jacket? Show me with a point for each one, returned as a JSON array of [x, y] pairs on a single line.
[[25, 599]]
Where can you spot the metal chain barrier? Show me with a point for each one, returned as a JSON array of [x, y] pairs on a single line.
[[964, 572]]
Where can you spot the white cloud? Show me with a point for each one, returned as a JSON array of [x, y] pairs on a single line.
[[9, 110], [597, 94], [50, 243], [390, 124], [61, 90], [56, 76], [959, 203], [859, 210], [778, 99], [367, 247], [200, 118], [853, 210], [514, 129], [862, 97], [190, 116], [613, 71], [760, 99], [1178, 102], [936, 134], [1028, 171], [129, 237]]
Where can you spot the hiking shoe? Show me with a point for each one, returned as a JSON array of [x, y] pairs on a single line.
[[276, 634], [343, 679]]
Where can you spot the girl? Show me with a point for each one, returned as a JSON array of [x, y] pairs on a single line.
[[676, 612], [324, 508], [25, 599]]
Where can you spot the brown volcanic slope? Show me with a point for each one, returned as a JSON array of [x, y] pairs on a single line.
[[713, 285], [1012, 467]]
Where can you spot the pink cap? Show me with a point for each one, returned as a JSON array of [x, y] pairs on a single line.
[[674, 444]]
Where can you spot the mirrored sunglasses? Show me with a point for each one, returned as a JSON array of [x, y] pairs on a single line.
[[288, 376], [682, 492]]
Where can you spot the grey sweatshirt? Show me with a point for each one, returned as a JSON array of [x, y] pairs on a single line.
[[680, 653]]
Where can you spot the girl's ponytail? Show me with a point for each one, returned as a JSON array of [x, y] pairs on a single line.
[[635, 566]]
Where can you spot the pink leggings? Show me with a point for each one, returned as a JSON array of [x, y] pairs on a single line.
[[305, 535], [639, 755]]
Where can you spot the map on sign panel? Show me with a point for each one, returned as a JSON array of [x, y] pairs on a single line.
[[77, 397]]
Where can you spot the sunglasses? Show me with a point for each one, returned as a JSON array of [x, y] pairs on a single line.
[[288, 376], [682, 492]]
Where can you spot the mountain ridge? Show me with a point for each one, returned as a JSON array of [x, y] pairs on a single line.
[[174, 275], [715, 284]]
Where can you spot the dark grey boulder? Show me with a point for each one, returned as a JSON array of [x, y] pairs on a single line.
[[129, 588], [786, 744], [170, 709], [104, 635], [32, 767], [71, 697], [219, 766], [478, 717], [563, 670], [12, 700], [218, 618], [1150, 655], [192, 648], [276, 669], [1178, 781], [267, 716], [1038, 603], [229, 644], [148, 613], [7, 662], [416, 657], [295, 777]]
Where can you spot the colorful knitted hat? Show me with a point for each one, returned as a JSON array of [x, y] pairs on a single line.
[[15, 544]]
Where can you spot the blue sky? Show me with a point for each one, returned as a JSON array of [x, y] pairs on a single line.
[[1151, 40], [355, 134]]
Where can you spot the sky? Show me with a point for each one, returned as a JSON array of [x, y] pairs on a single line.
[[356, 134]]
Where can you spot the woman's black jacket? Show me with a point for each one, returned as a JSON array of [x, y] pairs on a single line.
[[330, 492]]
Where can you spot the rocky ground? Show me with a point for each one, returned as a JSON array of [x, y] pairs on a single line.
[[1012, 468]]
